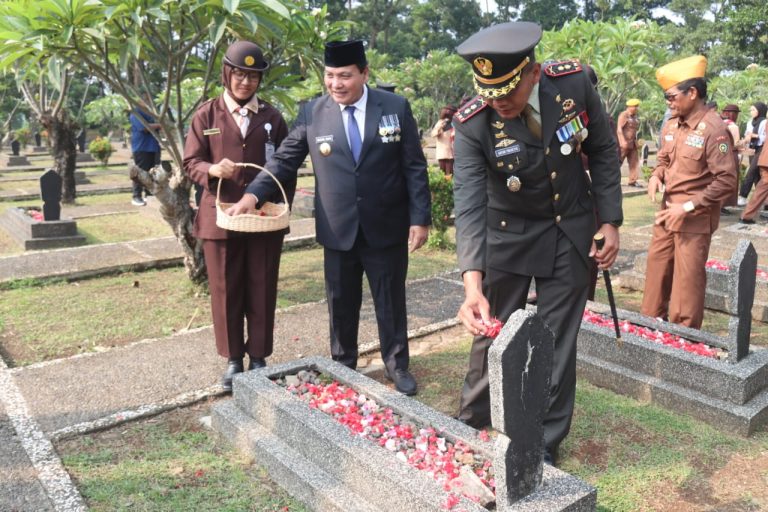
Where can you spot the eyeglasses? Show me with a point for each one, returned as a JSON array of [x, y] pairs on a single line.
[[671, 97], [241, 75]]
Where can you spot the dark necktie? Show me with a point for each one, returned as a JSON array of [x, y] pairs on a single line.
[[353, 132], [530, 121]]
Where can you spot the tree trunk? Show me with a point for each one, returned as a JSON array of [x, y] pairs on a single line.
[[171, 187], [61, 133]]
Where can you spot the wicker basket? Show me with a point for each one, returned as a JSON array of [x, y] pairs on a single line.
[[270, 217]]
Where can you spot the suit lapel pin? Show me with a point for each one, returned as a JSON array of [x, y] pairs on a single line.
[[325, 149]]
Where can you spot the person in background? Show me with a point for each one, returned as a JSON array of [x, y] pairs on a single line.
[[372, 201], [443, 134], [695, 165], [525, 208], [758, 199], [242, 267], [145, 149], [754, 138], [627, 127], [730, 116]]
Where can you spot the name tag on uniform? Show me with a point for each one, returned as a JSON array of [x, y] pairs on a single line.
[[269, 150], [668, 137], [323, 138], [212, 131]]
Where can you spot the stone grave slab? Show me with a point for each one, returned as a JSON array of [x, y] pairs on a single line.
[[34, 235], [321, 463], [719, 286], [729, 394], [84, 157], [13, 160]]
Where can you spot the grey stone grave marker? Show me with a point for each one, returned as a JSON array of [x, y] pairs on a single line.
[[519, 369], [50, 192], [741, 281]]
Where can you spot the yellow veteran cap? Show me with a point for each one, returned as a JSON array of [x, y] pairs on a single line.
[[681, 70], [634, 102]]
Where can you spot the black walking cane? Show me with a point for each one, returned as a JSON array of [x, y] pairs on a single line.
[[599, 243]]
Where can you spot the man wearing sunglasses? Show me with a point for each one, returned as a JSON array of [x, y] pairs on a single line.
[[696, 167]]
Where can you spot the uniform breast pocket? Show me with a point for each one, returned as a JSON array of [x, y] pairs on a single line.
[[691, 152], [510, 156]]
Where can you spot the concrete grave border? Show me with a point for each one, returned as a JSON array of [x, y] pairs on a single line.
[[319, 462]]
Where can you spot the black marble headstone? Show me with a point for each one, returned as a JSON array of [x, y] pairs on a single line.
[[50, 191], [15, 147], [519, 372], [741, 278], [81, 141], [38, 139]]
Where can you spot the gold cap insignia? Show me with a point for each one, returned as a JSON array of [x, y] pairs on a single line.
[[483, 65], [249, 61]]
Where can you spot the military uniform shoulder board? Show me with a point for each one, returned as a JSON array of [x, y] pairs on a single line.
[[562, 68], [470, 108]]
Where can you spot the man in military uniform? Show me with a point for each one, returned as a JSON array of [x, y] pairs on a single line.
[[525, 207], [696, 166], [626, 133]]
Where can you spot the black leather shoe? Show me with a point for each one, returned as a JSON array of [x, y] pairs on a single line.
[[746, 221], [404, 381], [256, 362], [234, 366]]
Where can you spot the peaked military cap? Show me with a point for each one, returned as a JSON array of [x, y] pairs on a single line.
[[498, 55], [245, 55], [384, 86], [345, 53]]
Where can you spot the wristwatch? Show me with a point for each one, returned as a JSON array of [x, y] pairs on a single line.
[[688, 206]]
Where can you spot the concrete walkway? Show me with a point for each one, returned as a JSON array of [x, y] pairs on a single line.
[[65, 397]]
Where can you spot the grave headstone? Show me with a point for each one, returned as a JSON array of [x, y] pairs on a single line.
[[15, 147], [81, 141], [38, 139], [741, 280], [519, 370], [50, 192]]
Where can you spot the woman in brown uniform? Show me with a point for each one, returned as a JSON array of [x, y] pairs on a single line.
[[242, 267]]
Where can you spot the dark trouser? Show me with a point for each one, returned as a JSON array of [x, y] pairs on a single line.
[[561, 301], [386, 270], [144, 160], [242, 279], [753, 174]]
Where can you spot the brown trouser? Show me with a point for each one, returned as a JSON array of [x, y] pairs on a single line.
[[676, 276], [758, 196], [242, 278], [633, 159]]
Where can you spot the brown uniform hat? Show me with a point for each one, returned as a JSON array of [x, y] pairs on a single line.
[[345, 53], [245, 55], [731, 108], [498, 55]]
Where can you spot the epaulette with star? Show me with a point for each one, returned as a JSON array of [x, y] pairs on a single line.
[[562, 68], [470, 108]]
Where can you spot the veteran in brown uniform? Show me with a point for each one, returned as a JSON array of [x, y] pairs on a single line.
[[697, 168], [626, 133], [525, 207], [237, 127]]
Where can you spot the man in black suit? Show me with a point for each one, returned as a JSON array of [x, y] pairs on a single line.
[[525, 207], [372, 201]]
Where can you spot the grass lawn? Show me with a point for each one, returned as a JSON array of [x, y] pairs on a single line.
[[133, 226], [110, 311], [639, 456]]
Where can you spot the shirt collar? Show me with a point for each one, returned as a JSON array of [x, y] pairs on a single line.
[[533, 99], [360, 103], [693, 119], [233, 106]]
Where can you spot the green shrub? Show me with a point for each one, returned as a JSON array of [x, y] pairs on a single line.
[[647, 172], [441, 187], [23, 135], [100, 149]]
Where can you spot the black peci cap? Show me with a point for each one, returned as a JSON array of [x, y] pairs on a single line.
[[345, 53], [245, 55], [498, 55]]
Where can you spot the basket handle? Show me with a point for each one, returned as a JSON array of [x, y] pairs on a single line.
[[245, 164]]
